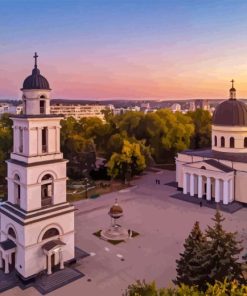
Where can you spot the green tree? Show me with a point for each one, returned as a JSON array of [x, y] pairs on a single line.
[[226, 288], [202, 120], [128, 163], [141, 288], [209, 258], [224, 250], [192, 267]]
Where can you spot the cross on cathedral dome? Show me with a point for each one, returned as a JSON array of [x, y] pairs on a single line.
[[36, 80]]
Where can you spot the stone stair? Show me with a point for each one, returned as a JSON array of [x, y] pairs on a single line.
[[48, 283], [7, 281]]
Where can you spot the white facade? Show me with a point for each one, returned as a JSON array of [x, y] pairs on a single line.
[[37, 223], [218, 174], [79, 111]]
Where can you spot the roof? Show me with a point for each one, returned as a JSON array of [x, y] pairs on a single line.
[[52, 244], [7, 244], [209, 153], [218, 165], [36, 81], [231, 113]]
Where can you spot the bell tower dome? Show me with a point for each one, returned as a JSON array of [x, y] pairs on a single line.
[[36, 92]]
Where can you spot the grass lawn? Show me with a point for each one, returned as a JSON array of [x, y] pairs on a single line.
[[75, 195]]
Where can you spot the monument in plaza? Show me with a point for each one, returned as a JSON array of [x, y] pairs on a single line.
[[219, 174], [37, 223], [115, 231]]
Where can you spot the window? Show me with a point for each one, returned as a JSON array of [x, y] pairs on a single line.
[[215, 141], [20, 140], [50, 233], [44, 139], [42, 106], [245, 142], [46, 190], [17, 189], [11, 233], [232, 142], [203, 168], [222, 141]]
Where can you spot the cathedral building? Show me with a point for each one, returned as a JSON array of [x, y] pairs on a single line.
[[37, 223], [219, 174]]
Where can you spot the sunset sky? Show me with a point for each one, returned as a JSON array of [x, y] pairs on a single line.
[[142, 49]]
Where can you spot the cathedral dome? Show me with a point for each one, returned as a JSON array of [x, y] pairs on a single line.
[[36, 80], [231, 113]]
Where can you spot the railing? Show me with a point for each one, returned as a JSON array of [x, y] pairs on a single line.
[[46, 201]]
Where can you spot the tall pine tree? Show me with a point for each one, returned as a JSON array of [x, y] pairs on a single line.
[[192, 267], [224, 249], [209, 258]]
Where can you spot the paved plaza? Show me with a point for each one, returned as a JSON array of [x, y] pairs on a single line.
[[163, 223]]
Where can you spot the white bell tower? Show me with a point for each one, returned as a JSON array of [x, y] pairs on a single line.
[[37, 220]]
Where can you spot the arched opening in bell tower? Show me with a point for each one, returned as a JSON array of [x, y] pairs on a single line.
[[17, 189], [44, 140], [46, 190], [42, 105]]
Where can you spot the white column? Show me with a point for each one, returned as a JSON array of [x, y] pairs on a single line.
[[1, 259], [185, 189], [196, 184], [49, 264], [225, 192], [6, 264], [208, 188], [231, 195], [199, 186], [10, 258], [61, 259], [192, 185], [217, 190]]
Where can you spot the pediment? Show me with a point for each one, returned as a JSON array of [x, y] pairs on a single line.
[[211, 165]]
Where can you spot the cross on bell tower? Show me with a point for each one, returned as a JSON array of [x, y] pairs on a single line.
[[35, 59], [232, 91]]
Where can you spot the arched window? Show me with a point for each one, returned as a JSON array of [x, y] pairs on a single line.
[[222, 142], [42, 106], [232, 142], [17, 189], [20, 140], [203, 168], [50, 233], [46, 190], [44, 140], [215, 141], [11, 233], [245, 142]]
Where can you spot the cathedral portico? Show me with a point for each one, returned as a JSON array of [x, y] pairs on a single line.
[[212, 184]]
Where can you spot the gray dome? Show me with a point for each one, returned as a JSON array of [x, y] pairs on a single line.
[[36, 81], [230, 113]]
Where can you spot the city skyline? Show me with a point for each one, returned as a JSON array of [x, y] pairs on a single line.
[[128, 49]]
